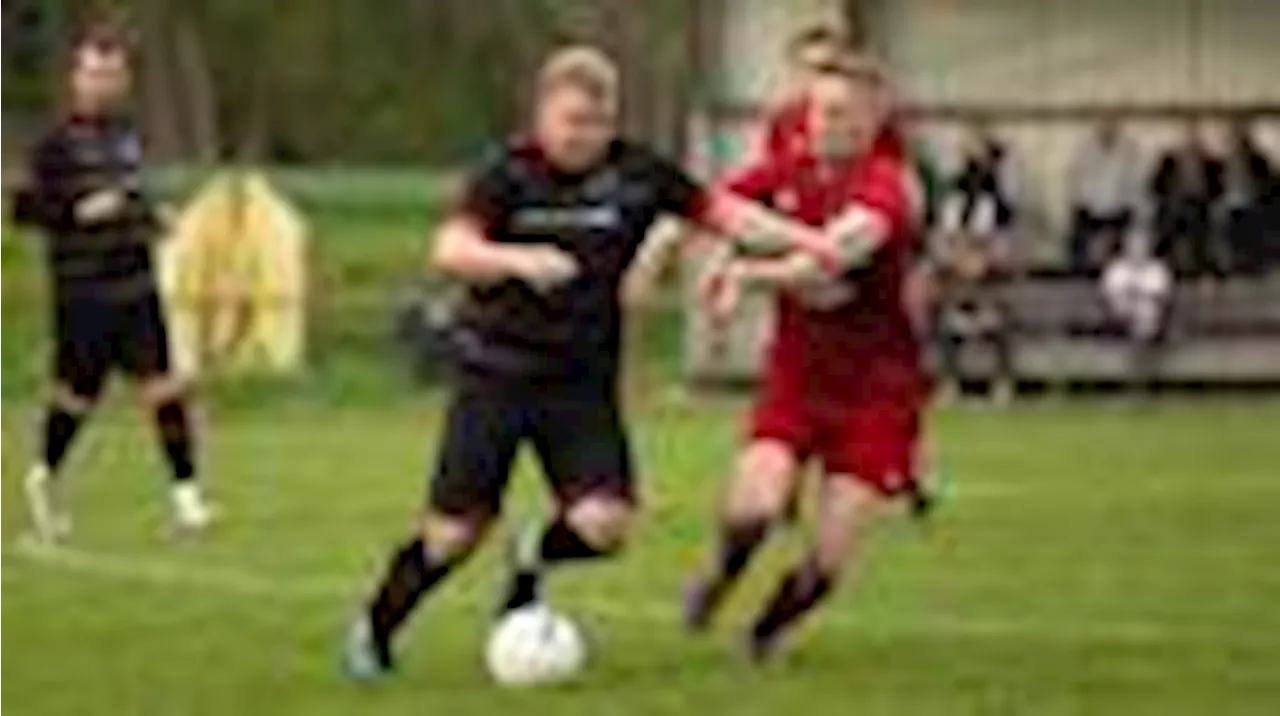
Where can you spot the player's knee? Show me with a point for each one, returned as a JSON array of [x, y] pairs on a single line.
[[763, 482], [849, 509], [157, 390], [602, 522], [452, 537], [77, 397]]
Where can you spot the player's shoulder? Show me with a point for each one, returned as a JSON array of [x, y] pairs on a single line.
[[513, 160], [55, 134], [637, 155]]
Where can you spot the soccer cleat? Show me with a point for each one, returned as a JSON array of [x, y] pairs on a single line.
[[701, 600], [50, 520], [920, 500], [762, 646], [365, 657], [190, 512], [524, 569]]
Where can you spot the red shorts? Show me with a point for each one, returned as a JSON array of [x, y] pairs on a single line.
[[871, 441]]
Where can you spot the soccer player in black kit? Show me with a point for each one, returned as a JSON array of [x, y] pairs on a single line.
[[85, 194], [543, 237]]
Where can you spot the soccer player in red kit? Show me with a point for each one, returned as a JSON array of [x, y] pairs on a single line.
[[843, 385]]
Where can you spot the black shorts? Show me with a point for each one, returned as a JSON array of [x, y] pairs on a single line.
[[578, 436], [96, 335]]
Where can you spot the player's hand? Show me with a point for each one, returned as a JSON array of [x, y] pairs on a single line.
[[100, 206], [545, 267], [719, 292]]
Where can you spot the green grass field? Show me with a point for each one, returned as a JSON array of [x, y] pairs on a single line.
[[1092, 560]]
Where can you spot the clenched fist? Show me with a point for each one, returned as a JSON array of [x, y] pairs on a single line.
[[545, 267], [99, 206]]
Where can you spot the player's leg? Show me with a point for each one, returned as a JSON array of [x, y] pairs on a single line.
[[142, 349], [585, 452], [80, 369], [482, 433], [763, 485], [846, 512], [867, 453]]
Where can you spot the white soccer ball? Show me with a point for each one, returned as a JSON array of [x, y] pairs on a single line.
[[534, 645]]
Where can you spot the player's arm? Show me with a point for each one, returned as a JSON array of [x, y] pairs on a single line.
[[857, 234], [729, 211], [878, 209], [657, 253], [464, 251], [49, 196], [59, 198], [463, 248]]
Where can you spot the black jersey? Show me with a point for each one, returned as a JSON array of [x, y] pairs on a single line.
[[109, 260], [573, 332]]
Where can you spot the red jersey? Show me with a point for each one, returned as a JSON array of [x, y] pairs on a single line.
[[850, 340], [785, 132]]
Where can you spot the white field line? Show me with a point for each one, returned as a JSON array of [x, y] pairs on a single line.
[[238, 582]]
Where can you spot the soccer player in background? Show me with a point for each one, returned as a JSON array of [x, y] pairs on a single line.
[[85, 194], [809, 51], [842, 384], [542, 238]]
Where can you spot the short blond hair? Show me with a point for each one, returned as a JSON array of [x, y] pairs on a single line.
[[582, 67]]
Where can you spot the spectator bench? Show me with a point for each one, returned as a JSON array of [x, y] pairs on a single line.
[[1230, 334]]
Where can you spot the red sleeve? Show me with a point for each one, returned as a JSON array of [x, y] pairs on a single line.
[[756, 181], [884, 187]]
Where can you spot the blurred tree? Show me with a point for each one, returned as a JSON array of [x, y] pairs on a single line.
[[404, 82]]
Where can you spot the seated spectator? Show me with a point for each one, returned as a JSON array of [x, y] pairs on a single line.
[[1104, 185], [1249, 182], [970, 309], [1185, 189], [1137, 291], [979, 200]]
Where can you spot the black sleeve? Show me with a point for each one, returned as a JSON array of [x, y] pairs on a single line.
[[485, 196], [675, 191], [54, 187]]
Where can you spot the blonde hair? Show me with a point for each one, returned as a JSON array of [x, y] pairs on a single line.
[[582, 67]]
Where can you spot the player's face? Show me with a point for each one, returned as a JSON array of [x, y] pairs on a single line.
[[575, 127], [100, 79], [844, 115]]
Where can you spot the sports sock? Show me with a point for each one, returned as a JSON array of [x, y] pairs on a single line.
[[738, 541], [59, 430], [413, 572], [801, 590], [175, 435], [560, 543]]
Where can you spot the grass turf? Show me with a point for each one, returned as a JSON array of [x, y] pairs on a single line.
[[1092, 559]]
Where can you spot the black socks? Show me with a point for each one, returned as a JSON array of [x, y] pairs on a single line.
[[559, 544], [59, 430], [412, 573], [801, 590], [175, 435]]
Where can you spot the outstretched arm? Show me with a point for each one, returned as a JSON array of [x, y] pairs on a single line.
[[731, 211], [463, 251]]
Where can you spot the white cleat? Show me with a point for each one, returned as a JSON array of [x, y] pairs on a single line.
[[363, 659], [50, 520], [190, 512]]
